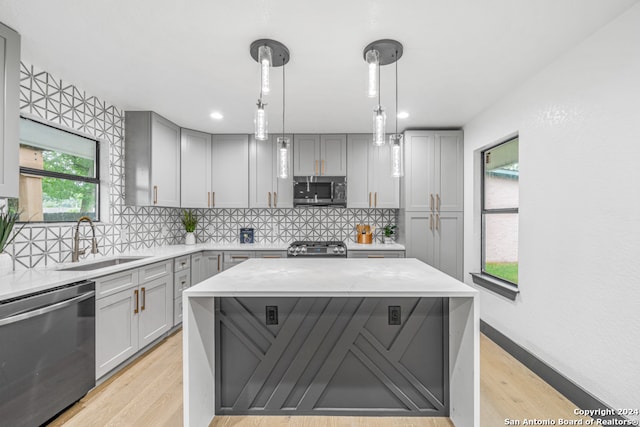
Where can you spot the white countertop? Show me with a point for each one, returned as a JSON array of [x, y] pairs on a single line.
[[332, 277], [23, 282]]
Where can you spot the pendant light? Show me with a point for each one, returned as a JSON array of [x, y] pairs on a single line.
[[396, 143], [380, 52], [268, 53], [371, 57], [283, 144]]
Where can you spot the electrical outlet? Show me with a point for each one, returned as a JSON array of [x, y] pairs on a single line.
[[271, 314], [394, 315]]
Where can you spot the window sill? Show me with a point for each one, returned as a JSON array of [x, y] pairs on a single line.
[[495, 285]]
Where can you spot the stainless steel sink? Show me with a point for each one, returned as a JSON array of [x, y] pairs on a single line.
[[101, 264]]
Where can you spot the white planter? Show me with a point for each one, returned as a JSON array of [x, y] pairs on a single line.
[[388, 240], [6, 263], [190, 239]]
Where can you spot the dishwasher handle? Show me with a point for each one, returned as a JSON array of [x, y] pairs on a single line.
[[47, 309]]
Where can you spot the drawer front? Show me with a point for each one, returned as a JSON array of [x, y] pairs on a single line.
[[271, 254], [236, 257], [114, 283], [177, 311], [376, 254], [155, 271], [181, 263], [181, 281]]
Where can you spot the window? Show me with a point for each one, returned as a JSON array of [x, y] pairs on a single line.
[[500, 182], [59, 174]]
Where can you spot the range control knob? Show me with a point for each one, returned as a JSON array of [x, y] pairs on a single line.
[[290, 250], [335, 249], [342, 250], [297, 249], [303, 250]]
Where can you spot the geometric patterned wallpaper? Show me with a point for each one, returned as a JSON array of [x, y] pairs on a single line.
[[46, 98]]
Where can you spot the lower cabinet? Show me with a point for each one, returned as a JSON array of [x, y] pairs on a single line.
[[211, 264], [133, 309], [270, 254], [375, 254], [232, 258], [436, 238], [196, 268]]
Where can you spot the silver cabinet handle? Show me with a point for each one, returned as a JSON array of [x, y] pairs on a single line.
[[218, 262], [155, 194], [47, 309]]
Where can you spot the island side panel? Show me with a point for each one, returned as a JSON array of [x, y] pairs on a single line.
[[464, 361], [199, 356]]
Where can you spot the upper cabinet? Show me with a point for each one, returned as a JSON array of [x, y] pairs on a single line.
[[317, 155], [152, 160], [433, 171], [266, 190], [230, 171], [369, 173], [9, 110], [195, 169]]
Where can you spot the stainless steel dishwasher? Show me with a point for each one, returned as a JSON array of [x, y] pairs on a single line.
[[47, 353]]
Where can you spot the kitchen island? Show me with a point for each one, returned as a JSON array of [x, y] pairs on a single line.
[[295, 370]]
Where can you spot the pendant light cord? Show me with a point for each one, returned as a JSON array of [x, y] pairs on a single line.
[[283, 99], [396, 94], [379, 94]]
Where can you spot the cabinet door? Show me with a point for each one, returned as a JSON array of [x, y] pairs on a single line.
[[386, 189], [448, 243], [420, 235], [165, 162], [156, 310], [358, 192], [270, 254], [448, 171], [333, 155], [306, 151], [417, 184], [116, 330], [262, 173], [230, 171], [211, 264], [195, 169], [283, 187], [196, 268], [9, 110]]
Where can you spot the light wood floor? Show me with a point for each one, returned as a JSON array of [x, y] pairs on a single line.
[[149, 393]]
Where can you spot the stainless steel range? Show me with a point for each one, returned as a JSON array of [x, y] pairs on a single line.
[[326, 249]]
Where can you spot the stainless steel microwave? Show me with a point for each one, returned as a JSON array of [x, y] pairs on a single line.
[[320, 191]]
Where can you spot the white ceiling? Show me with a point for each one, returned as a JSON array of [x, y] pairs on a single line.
[[185, 59]]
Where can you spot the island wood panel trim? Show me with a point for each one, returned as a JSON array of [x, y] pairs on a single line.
[[331, 356]]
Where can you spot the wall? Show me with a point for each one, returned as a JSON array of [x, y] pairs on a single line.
[[49, 99], [579, 228]]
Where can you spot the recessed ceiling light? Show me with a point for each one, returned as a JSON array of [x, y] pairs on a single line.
[[216, 115], [403, 115]]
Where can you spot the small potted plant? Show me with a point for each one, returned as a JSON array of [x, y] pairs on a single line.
[[7, 222], [389, 231], [189, 220]]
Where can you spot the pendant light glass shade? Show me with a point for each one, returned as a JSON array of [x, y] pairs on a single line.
[[265, 60], [260, 122], [379, 126], [283, 157], [396, 144], [372, 59]]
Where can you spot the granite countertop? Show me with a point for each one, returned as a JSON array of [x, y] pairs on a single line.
[[23, 282], [332, 277]]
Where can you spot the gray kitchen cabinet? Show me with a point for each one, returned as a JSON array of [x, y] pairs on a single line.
[[433, 171], [230, 171], [195, 170], [375, 254], [152, 160], [266, 190], [232, 258], [316, 155], [370, 182], [9, 110], [182, 279], [436, 239], [196, 268], [133, 309], [270, 254], [212, 262]]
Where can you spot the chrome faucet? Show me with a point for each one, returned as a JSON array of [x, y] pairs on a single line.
[[75, 255]]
